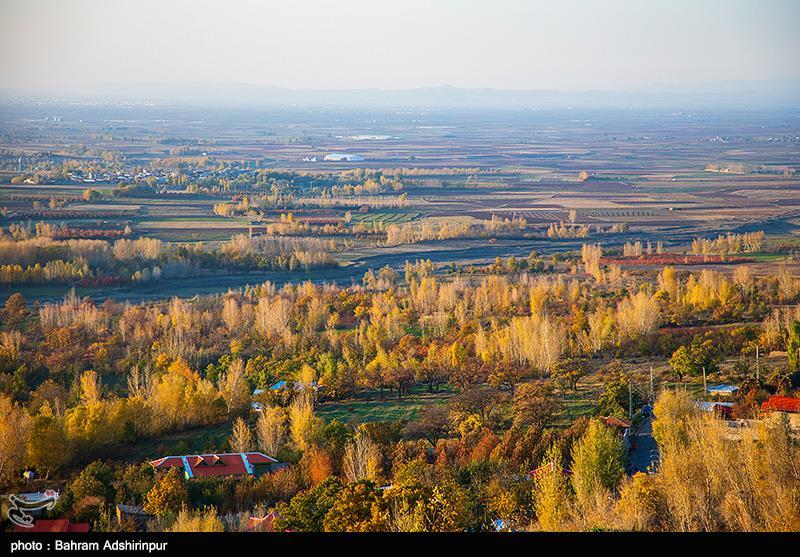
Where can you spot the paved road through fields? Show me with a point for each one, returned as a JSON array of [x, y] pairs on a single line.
[[646, 451]]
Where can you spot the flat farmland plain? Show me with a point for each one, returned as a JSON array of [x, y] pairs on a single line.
[[656, 175]]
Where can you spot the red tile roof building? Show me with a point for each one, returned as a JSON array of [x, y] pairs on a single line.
[[613, 421], [217, 465], [781, 404], [57, 525], [550, 466]]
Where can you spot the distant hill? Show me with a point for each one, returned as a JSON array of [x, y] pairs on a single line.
[[778, 93]]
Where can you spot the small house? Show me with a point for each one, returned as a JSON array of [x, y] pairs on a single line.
[[219, 465], [722, 409], [786, 404], [278, 386], [780, 406], [617, 423], [723, 390], [297, 386]]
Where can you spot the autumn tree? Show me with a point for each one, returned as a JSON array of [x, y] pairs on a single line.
[[711, 482], [168, 495], [638, 315], [359, 507], [47, 431], [241, 440], [448, 508], [271, 429], [551, 493], [432, 369], [567, 374], [432, 424], [534, 405], [672, 412], [91, 194], [642, 505], [361, 458], [302, 421], [206, 520], [14, 431], [14, 308], [318, 464], [235, 388], [481, 403]]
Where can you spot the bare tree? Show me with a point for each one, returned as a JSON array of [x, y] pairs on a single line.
[[361, 458]]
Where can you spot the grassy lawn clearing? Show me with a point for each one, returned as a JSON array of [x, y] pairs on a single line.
[[369, 407]]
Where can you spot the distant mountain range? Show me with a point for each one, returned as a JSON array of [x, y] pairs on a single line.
[[778, 93]]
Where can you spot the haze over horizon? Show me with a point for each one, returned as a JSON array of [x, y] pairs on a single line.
[[314, 45]]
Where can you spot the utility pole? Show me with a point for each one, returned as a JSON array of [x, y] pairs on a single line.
[[705, 385], [652, 390], [758, 371], [630, 401]]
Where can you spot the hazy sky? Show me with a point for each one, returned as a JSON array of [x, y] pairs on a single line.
[[507, 44]]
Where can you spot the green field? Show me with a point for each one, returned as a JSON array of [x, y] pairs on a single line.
[[387, 218], [369, 407]]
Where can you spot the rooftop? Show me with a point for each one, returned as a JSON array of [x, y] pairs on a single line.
[[781, 404], [207, 465], [56, 525]]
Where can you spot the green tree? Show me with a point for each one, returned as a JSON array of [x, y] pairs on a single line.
[[681, 362], [598, 461], [692, 359], [260, 371], [615, 398], [306, 511], [793, 346], [134, 483], [95, 480]]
